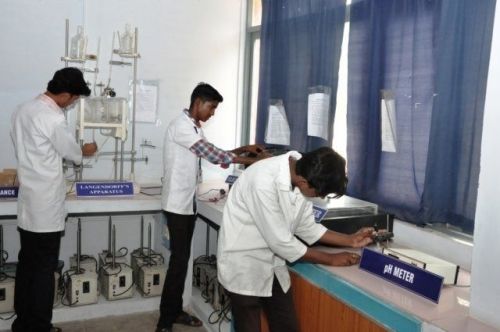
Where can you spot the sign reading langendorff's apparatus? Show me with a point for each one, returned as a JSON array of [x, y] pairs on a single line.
[[96, 189]]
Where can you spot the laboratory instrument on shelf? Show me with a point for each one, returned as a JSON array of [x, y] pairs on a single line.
[[116, 278], [7, 280], [149, 267], [82, 276]]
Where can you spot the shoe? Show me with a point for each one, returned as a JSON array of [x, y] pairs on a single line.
[[186, 319], [164, 329], [55, 329]]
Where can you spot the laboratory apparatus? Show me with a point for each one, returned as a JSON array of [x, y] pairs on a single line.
[[151, 271], [116, 278], [7, 280], [82, 282]]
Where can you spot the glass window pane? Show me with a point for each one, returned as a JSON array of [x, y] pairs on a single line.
[[256, 13], [254, 89]]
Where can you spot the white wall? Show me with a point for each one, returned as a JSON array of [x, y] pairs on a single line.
[[181, 43], [485, 290]]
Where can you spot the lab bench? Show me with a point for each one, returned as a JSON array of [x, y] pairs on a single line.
[[349, 299]]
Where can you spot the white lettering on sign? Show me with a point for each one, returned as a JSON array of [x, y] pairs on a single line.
[[403, 274], [388, 268], [7, 192]]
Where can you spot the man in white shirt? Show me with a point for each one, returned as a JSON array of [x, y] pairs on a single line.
[[265, 212], [41, 140], [183, 148]]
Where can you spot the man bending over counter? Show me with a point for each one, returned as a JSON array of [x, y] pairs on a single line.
[[266, 209]]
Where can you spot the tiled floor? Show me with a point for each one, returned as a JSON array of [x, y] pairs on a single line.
[[142, 322]]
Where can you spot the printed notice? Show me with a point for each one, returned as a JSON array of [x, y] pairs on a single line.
[[277, 130], [146, 108], [388, 125], [318, 106]]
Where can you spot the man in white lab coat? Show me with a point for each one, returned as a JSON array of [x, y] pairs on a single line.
[[265, 211], [41, 141], [183, 148]]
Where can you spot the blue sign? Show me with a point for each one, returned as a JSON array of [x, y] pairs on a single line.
[[319, 213], [231, 179], [417, 280], [9, 192], [93, 189]]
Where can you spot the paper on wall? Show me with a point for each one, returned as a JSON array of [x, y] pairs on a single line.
[[318, 106], [146, 108], [388, 133], [277, 130]]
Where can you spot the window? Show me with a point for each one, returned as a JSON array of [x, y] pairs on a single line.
[[252, 57]]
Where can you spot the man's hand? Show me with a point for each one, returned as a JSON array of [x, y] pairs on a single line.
[[344, 259], [362, 237], [254, 148], [88, 149]]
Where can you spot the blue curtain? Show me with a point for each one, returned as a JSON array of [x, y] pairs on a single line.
[[300, 48], [433, 56], [452, 172]]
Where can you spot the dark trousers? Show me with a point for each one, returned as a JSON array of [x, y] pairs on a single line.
[[181, 228], [279, 310], [34, 290]]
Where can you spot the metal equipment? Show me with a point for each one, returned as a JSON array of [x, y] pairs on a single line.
[[82, 284], [347, 215], [116, 278]]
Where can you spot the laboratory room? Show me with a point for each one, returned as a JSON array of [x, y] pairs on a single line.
[[249, 165]]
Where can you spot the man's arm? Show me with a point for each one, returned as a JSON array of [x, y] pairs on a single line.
[[357, 240], [215, 155], [339, 259]]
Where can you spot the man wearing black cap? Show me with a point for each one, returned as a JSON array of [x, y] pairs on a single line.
[[41, 140]]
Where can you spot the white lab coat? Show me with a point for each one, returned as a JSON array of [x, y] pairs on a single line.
[[261, 217], [41, 139], [180, 165]]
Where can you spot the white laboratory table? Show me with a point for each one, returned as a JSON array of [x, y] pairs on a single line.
[[391, 306], [127, 205]]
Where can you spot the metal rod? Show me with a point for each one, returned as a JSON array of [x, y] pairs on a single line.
[[78, 245], [121, 160], [115, 162], [111, 153], [142, 234], [109, 234], [113, 248], [134, 89], [207, 242], [66, 42], [149, 244], [145, 159]]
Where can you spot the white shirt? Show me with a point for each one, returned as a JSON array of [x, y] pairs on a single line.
[[261, 217], [180, 165], [41, 139]]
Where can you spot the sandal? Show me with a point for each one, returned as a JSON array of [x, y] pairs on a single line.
[[186, 319]]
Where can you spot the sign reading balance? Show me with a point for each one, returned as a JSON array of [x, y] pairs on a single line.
[[8, 192], [417, 280], [93, 189]]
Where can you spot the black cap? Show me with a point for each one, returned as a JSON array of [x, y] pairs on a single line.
[[69, 80]]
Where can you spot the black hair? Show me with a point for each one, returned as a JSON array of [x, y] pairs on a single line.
[[68, 80], [205, 92], [325, 171]]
